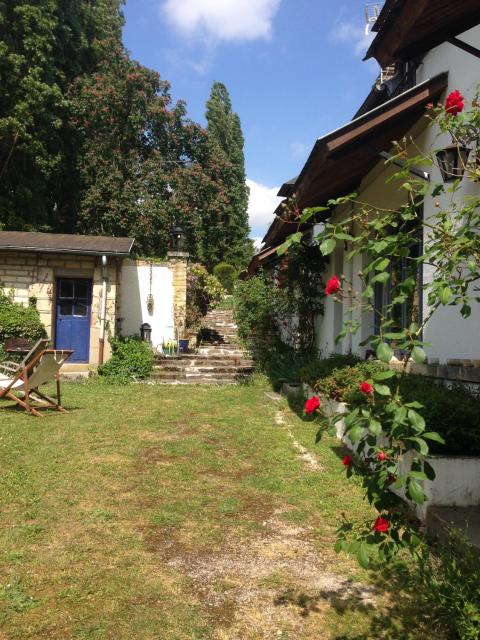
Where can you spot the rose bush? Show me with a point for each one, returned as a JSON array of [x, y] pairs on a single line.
[[385, 427]]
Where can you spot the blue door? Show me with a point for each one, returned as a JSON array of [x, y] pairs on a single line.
[[72, 329]]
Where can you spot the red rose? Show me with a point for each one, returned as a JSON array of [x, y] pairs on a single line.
[[312, 404], [381, 525], [333, 285], [366, 388], [381, 456], [347, 461], [454, 103]]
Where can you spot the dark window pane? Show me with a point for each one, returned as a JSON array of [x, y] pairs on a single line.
[[80, 309], [66, 288], [81, 290], [66, 308]]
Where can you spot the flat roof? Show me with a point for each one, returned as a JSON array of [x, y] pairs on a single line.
[[65, 243]]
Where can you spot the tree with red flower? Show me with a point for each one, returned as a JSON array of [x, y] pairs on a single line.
[[381, 525], [381, 456], [454, 103], [333, 285], [347, 461], [312, 404], [366, 388]]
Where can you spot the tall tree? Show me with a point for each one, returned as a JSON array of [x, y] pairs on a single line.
[[43, 46], [225, 131]]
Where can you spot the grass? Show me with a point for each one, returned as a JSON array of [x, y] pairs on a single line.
[[173, 513]]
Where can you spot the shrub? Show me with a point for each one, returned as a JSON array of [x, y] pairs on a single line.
[[226, 274], [204, 292], [317, 367], [17, 321], [255, 306], [449, 575], [453, 413], [132, 359], [342, 384]]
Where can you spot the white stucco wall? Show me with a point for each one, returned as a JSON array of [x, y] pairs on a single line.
[[450, 335], [134, 290]]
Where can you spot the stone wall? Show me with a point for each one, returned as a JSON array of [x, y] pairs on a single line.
[[32, 274]]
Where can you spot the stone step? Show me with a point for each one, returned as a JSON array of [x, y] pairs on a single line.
[[238, 361], [209, 364], [206, 369], [201, 375]]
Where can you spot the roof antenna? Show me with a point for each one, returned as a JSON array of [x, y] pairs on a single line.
[[372, 11]]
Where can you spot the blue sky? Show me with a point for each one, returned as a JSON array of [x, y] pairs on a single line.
[[293, 68]]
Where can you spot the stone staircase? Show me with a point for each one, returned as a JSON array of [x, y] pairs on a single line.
[[219, 358]]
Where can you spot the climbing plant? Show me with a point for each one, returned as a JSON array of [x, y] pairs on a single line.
[[389, 437]]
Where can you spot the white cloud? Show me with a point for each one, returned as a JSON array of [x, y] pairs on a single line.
[[257, 242], [262, 203], [352, 34], [222, 20]]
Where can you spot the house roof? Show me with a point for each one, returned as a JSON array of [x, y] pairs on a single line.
[[258, 259], [408, 28], [65, 243], [342, 158], [287, 188]]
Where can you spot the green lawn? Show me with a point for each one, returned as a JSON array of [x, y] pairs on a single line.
[[172, 513]]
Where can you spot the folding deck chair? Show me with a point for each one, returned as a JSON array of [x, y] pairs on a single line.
[[22, 386], [8, 368]]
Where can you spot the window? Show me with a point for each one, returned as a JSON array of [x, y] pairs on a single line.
[[402, 270]]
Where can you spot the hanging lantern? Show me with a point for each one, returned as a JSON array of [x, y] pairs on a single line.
[[178, 238], [452, 161], [150, 299]]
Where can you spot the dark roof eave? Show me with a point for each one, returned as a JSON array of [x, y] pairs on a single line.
[[77, 252], [365, 117]]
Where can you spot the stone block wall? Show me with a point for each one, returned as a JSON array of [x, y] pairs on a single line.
[[31, 274]]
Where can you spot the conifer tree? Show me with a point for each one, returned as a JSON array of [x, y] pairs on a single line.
[[225, 133]]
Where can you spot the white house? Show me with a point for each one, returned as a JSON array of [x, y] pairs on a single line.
[[426, 49]]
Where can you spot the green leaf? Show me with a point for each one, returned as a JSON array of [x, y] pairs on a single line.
[[414, 405], [419, 355], [375, 427], [384, 352], [422, 445], [398, 335], [355, 434], [418, 475], [407, 186], [445, 295], [327, 246], [416, 420], [415, 492], [362, 556], [382, 264], [382, 389], [413, 328], [338, 546], [384, 375], [432, 435], [381, 277]]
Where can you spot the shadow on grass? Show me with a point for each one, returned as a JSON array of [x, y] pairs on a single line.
[[405, 613]]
